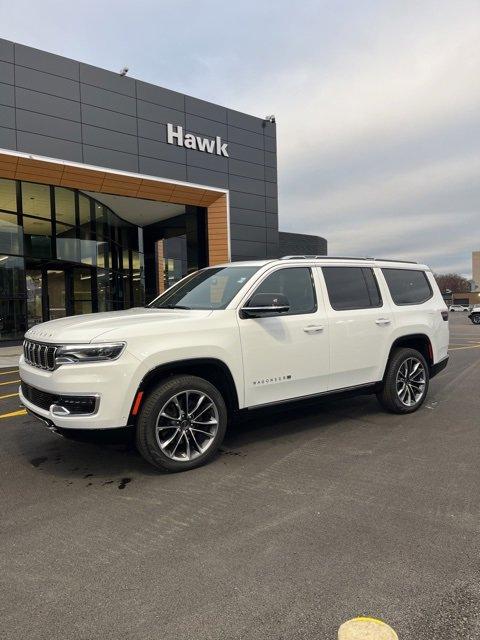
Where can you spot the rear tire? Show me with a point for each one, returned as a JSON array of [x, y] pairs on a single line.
[[181, 424], [476, 318], [406, 380]]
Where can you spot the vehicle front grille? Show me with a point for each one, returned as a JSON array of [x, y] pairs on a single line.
[[76, 405], [39, 354]]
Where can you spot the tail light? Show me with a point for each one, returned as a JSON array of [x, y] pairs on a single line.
[[445, 315]]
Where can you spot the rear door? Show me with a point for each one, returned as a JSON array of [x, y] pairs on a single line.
[[286, 356], [360, 325]]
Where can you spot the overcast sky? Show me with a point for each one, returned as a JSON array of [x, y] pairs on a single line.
[[377, 102]]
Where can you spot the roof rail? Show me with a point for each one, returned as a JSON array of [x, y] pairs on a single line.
[[321, 257]]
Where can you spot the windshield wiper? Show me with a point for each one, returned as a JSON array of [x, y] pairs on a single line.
[[173, 306]]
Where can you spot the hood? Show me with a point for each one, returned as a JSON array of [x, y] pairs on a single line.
[[96, 326]]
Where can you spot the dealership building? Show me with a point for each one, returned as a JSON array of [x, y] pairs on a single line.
[[112, 189]]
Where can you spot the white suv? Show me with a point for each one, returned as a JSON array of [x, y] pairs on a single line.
[[239, 336]]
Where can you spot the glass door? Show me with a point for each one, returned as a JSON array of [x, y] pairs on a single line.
[[56, 294], [34, 297]]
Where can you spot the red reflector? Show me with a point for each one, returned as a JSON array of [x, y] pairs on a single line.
[[136, 404], [430, 351]]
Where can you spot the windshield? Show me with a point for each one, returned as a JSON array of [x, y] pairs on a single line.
[[212, 288]]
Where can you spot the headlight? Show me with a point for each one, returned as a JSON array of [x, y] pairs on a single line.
[[78, 353]]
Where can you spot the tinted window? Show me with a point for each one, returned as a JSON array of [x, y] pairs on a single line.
[[351, 288], [408, 286], [296, 284]]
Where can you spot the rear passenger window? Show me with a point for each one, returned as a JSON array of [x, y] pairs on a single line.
[[352, 288], [296, 284], [408, 286]]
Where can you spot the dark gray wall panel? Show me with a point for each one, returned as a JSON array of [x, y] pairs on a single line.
[[46, 104], [242, 249], [48, 62], [247, 217], [246, 154], [205, 109], [7, 74], [247, 138], [109, 158], [270, 174], [301, 244], [272, 250], [109, 139], [152, 130], [7, 117], [244, 232], [270, 129], [270, 159], [6, 50], [245, 121], [154, 167], [246, 169], [271, 220], [156, 113], [207, 161], [247, 185], [7, 95], [161, 96], [203, 126], [50, 147], [162, 151], [107, 80], [272, 236], [47, 125], [271, 189], [108, 100], [206, 177], [7, 139], [270, 144], [109, 119], [47, 83], [247, 201], [271, 205]]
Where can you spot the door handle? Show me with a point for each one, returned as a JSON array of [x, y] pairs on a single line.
[[314, 328], [382, 321]]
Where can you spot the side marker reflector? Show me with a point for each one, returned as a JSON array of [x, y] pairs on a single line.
[[136, 404]]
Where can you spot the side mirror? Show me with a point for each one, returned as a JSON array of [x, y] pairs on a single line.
[[264, 305]]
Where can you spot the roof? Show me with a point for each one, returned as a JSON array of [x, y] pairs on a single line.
[[324, 260]]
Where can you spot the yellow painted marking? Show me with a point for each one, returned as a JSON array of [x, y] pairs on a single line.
[[365, 627], [2, 384], [9, 395], [4, 373], [22, 412], [473, 346]]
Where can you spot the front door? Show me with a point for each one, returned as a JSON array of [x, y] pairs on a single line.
[[286, 356]]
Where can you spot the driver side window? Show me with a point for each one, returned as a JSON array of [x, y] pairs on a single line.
[[296, 283]]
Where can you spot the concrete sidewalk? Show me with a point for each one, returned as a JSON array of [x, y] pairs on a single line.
[[9, 356]]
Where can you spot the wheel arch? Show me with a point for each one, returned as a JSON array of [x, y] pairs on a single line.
[[419, 341], [211, 369]]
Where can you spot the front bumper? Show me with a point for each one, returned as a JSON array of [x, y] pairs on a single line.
[[114, 384]]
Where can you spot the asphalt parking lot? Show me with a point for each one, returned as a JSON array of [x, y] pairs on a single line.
[[309, 516]]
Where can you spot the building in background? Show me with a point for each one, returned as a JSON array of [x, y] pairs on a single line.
[[112, 189], [476, 268], [301, 244]]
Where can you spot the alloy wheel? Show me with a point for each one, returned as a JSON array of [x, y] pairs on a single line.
[[186, 425], [411, 381]]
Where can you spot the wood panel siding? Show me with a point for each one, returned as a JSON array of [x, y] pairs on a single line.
[[217, 231]]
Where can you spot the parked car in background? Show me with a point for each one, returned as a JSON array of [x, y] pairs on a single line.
[[474, 314], [458, 307], [235, 337]]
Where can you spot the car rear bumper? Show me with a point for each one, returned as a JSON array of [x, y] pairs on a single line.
[[438, 366]]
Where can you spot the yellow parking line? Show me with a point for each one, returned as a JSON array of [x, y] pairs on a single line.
[[22, 412], [4, 373], [2, 384], [473, 346], [9, 395]]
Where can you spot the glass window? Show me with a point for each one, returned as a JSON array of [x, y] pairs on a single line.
[[351, 288], [212, 288], [408, 286], [37, 237], [12, 277], [11, 234], [65, 205], [12, 319], [68, 245], [36, 199], [296, 284], [102, 254], [34, 297], [8, 195], [84, 210], [103, 290], [82, 291], [100, 219]]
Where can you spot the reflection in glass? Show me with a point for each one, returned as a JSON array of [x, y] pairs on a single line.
[[65, 205], [36, 199], [12, 277], [34, 297], [56, 294], [12, 319], [8, 195], [84, 210], [103, 289], [68, 246], [11, 234], [37, 237], [82, 291]]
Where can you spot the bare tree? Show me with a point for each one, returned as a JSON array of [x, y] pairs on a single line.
[[453, 282]]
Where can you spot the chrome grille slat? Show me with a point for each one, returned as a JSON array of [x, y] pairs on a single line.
[[39, 354]]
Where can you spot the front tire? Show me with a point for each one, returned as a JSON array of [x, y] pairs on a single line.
[[476, 318], [182, 423], [406, 380]]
